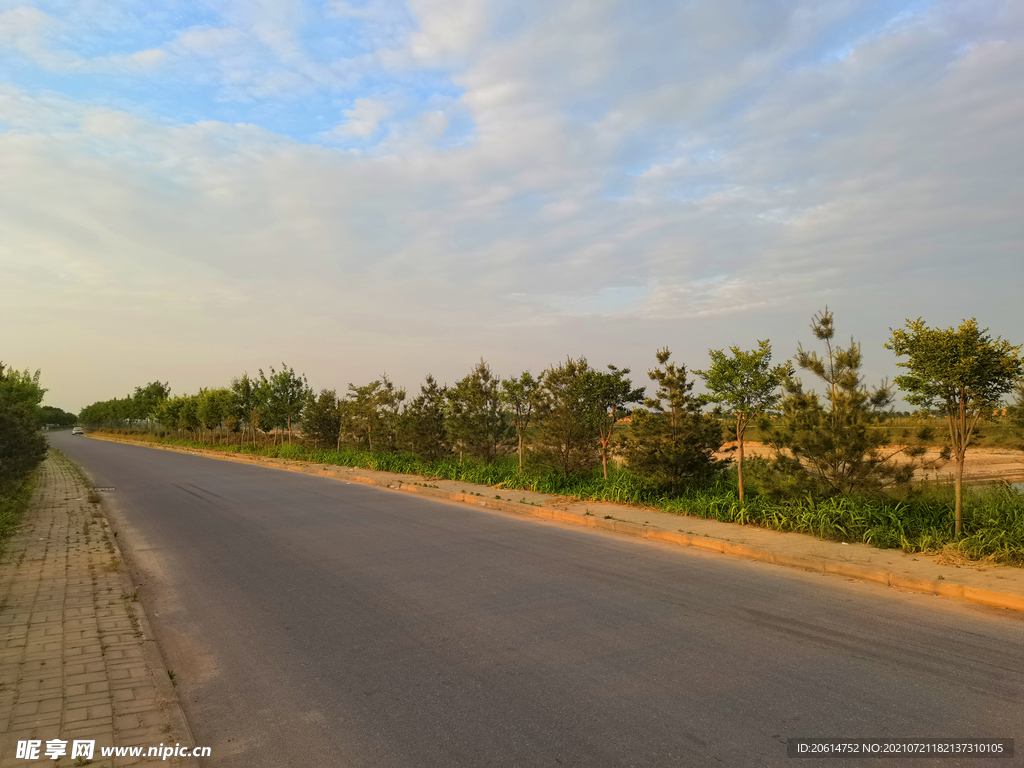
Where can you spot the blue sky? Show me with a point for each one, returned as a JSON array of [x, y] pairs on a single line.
[[353, 187]]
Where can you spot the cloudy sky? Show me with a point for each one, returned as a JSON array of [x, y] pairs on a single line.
[[190, 190]]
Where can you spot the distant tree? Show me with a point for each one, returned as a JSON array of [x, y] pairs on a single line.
[[168, 413], [673, 441], [22, 446], [833, 444], [285, 392], [50, 416], [248, 402], [477, 421], [570, 417], [746, 384], [321, 419], [214, 407], [520, 397], [424, 426], [963, 370], [371, 412], [612, 393], [147, 399]]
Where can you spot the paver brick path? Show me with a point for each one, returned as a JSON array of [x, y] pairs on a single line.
[[74, 662]]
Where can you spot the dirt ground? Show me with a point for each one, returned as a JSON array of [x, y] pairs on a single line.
[[983, 465]]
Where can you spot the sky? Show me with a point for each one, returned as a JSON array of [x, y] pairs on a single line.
[[192, 190]]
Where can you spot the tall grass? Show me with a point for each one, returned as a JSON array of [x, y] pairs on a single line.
[[993, 524]]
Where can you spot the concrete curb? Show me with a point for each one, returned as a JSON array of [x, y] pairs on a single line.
[[962, 592]]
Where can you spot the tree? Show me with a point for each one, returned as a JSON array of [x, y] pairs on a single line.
[[612, 393], [477, 421], [22, 446], [836, 446], [672, 441], [249, 403], [570, 416], [424, 422], [520, 397], [214, 407], [963, 370], [321, 419], [286, 394], [50, 416], [746, 384], [147, 399], [168, 413], [373, 409]]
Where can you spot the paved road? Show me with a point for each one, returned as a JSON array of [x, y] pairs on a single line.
[[311, 622]]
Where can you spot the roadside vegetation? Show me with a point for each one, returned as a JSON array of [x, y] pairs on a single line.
[[22, 444], [836, 470]]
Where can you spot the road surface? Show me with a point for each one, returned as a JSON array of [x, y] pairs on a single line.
[[313, 622]]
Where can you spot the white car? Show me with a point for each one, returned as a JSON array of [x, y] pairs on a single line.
[[77, 431]]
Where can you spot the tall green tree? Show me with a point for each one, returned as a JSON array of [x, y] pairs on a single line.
[[22, 445], [371, 413], [424, 425], [147, 399], [249, 400], [672, 442], [286, 393], [746, 384], [962, 370], [321, 419], [51, 416], [613, 392], [477, 420], [215, 408], [168, 413], [570, 417], [521, 396], [832, 443]]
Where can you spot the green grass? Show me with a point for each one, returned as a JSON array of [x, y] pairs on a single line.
[[920, 521], [14, 500]]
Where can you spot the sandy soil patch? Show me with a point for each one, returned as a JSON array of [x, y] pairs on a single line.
[[983, 465]]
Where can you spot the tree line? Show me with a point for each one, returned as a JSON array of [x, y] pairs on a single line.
[[575, 418]]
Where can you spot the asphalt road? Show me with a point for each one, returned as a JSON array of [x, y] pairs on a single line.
[[315, 623]]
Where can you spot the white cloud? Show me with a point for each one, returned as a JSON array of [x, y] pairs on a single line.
[[621, 169], [363, 120]]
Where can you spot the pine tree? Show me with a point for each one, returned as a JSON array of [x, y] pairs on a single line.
[[832, 444], [570, 417], [673, 441], [423, 424], [477, 421]]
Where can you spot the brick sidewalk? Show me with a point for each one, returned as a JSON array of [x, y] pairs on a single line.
[[77, 656]]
